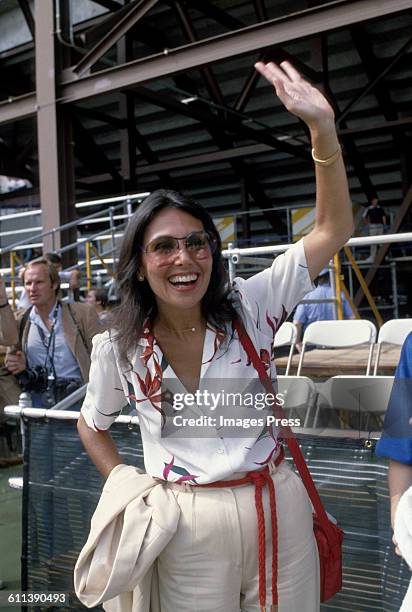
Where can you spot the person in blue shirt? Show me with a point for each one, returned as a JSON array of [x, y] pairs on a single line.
[[305, 314], [396, 439]]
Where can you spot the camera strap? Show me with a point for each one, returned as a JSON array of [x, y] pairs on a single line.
[[51, 342], [78, 329]]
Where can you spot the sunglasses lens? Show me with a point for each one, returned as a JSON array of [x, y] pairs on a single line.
[[200, 245], [162, 247], [196, 241]]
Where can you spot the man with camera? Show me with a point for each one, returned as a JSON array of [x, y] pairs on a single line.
[[49, 342]]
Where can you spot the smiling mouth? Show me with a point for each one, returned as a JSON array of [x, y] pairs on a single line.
[[183, 280]]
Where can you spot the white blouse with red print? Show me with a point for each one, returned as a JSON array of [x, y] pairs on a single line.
[[224, 427]]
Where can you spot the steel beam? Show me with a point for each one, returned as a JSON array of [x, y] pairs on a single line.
[[92, 155], [136, 11], [253, 38], [246, 92], [375, 78], [277, 55], [353, 155], [26, 7], [18, 108], [222, 124], [128, 158], [246, 151], [206, 72], [233, 23], [56, 176], [105, 23], [205, 158], [220, 136], [382, 251]]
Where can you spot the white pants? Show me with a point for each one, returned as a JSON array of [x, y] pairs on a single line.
[[375, 229], [211, 564]]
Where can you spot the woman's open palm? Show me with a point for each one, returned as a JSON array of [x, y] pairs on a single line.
[[298, 95]]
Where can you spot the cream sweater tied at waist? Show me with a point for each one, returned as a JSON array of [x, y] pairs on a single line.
[[135, 519]]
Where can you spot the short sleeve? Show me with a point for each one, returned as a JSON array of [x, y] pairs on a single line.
[[105, 395], [270, 296], [300, 314], [396, 440], [396, 449]]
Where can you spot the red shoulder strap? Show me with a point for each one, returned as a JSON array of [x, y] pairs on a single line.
[[287, 432]]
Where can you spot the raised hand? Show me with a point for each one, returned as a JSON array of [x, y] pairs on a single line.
[[298, 96]]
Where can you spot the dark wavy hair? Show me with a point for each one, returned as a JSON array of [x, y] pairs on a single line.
[[137, 298]]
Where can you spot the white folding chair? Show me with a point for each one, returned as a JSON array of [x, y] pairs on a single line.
[[339, 334], [367, 396], [299, 395], [392, 332], [286, 335]]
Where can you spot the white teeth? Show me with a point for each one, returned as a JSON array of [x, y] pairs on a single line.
[[183, 279]]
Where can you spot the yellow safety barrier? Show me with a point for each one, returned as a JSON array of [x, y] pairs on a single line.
[[90, 248], [104, 264], [338, 285]]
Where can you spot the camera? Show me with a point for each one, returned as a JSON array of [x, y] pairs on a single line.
[[34, 379], [57, 390]]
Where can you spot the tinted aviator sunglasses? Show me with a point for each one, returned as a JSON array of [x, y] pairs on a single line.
[[199, 245]]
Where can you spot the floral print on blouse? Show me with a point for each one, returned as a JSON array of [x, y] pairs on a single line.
[[207, 452]]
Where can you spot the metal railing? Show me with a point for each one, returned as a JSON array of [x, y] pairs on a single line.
[[106, 258], [22, 244], [94, 244], [251, 255], [63, 487]]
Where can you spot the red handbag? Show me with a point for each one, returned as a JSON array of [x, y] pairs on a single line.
[[329, 536]]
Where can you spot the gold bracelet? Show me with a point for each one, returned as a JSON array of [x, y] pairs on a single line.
[[329, 160]]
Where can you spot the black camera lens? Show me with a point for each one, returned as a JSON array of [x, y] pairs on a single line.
[[34, 379]]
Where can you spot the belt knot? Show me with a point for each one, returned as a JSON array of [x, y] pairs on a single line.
[[259, 479]]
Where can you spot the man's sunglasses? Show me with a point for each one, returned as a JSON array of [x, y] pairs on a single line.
[[200, 245]]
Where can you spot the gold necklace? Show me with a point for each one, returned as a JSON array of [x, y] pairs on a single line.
[[178, 331]]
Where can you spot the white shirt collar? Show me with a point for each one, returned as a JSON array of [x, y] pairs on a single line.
[[34, 314]]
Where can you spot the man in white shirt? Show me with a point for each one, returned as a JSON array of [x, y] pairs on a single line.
[[50, 342]]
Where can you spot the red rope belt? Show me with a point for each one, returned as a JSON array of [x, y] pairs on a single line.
[[260, 478]]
